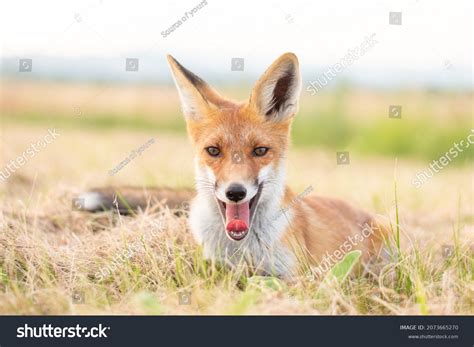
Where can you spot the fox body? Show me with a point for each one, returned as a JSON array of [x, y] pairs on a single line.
[[240, 151], [242, 211]]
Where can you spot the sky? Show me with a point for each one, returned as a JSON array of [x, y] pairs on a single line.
[[92, 39]]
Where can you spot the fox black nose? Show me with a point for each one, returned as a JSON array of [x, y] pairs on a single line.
[[236, 192]]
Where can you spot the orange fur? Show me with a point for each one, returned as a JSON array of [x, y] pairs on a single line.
[[320, 225]]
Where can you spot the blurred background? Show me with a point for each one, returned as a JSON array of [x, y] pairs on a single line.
[[96, 71]]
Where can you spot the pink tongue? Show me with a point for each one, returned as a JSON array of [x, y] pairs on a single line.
[[237, 216]]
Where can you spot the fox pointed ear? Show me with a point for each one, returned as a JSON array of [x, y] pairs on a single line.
[[197, 97], [276, 93]]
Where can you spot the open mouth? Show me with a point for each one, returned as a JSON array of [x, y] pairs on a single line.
[[238, 218]]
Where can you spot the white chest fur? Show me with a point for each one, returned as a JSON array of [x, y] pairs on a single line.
[[262, 247]]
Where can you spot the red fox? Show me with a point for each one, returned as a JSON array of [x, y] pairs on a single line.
[[240, 149]]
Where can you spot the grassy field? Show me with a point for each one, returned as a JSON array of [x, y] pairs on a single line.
[[53, 258], [337, 119]]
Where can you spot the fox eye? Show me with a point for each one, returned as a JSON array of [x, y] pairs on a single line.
[[213, 151], [260, 151]]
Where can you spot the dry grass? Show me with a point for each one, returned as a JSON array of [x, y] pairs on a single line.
[[50, 255]]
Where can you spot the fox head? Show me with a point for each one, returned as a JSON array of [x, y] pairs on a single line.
[[240, 146]]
